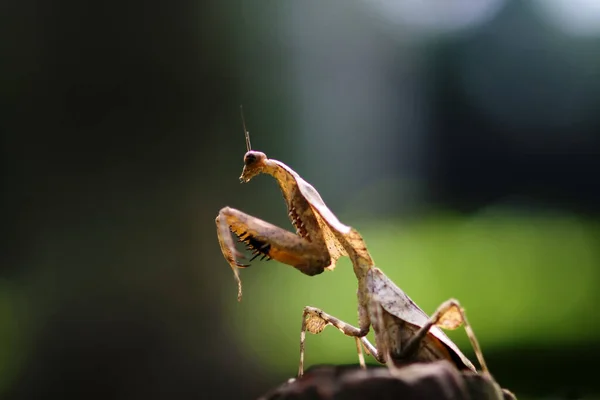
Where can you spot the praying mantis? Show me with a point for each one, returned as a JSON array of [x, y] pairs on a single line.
[[403, 332]]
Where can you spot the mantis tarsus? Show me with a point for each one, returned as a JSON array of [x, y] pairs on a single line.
[[403, 332]]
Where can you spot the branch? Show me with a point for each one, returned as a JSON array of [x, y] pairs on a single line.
[[436, 380]]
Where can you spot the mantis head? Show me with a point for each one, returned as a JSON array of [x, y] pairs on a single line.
[[255, 162]]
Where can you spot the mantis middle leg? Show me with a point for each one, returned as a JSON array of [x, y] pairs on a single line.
[[315, 320]]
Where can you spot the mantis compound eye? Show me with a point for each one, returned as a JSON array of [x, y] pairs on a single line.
[[249, 158]]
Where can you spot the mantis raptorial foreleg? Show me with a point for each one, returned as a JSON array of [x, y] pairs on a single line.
[[272, 242], [315, 320]]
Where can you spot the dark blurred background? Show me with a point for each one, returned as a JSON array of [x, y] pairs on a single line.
[[461, 139]]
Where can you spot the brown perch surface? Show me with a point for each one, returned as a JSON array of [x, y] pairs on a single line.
[[436, 380]]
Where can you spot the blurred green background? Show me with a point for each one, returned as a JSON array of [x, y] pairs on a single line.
[[460, 138]]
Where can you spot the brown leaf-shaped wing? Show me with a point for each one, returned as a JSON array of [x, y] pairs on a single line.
[[396, 302]]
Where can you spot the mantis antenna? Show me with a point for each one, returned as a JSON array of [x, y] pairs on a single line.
[[248, 146]]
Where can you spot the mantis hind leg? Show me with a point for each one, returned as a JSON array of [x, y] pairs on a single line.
[[310, 257], [449, 315]]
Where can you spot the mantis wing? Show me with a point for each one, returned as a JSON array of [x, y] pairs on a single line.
[[396, 302]]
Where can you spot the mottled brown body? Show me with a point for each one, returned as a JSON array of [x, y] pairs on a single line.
[[403, 332]]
